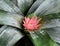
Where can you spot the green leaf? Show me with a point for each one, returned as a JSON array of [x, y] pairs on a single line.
[[51, 16], [10, 19], [9, 36], [51, 24], [8, 6], [51, 20], [24, 5], [48, 7], [41, 38], [54, 33], [36, 4]]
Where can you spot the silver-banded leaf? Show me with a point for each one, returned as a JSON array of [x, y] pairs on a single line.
[[24, 5], [41, 38], [9, 36], [51, 20], [8, 6], [11, 19], [54, 33], [35, 6], [53, 29], [48, 7], [52, 23]]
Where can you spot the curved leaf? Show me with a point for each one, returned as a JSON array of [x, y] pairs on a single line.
[[51, 20], [52, 26], [24, 5], [48, 7], [54, 33], [41, 38], [8, 6], [10, 19], [35, 6], [53, 23], [9, 36]]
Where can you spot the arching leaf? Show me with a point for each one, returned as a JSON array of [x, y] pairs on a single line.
[[24, 5], [10, 19], [54, 33], [36, 4], [41, 38], [8, 6], [48, 7], [9, 36], [52, 24]]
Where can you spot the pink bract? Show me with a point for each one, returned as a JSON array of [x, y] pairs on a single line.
[[31, 24]]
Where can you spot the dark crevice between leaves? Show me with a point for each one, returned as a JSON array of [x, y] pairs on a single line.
[[26, 11], [58, 43], [29, 8], [3, 11], [1, 26], [25, 41]]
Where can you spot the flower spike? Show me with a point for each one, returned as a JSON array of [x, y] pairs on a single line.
[[31, 24]]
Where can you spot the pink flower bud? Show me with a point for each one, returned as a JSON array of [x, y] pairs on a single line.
[[31, 24]]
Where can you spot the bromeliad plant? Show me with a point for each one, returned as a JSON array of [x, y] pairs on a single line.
[[37, 19]]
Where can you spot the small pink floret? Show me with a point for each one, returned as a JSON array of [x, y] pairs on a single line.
[[31, 24]]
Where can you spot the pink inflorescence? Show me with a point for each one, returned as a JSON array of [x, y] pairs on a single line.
[[31, 23]]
